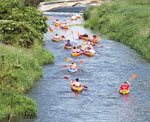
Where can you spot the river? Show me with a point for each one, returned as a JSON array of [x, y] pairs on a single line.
[[103, 74]]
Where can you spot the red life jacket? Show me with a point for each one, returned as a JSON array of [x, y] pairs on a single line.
[[124, 87]]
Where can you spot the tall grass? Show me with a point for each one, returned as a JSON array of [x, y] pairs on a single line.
[[126, 21]]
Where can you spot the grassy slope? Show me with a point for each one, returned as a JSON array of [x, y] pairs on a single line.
[[126, 21]]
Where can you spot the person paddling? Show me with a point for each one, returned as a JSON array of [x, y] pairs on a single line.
[[56, 36], [76, 83], [94, 38], [125, 86], [74, 66], [74, 50], [68, 43]]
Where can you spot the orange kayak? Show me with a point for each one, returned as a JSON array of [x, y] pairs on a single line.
[[84, 38], [95, 41], [65, 27], [76, 54], [89, 54]]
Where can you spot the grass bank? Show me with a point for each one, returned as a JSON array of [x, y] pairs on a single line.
[[126, 21], [22, 55]]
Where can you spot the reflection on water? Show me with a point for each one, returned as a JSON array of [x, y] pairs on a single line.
[[103, 74]]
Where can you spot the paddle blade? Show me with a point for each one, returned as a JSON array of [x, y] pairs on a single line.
[[85, 87], [66, 78], [62, 37], [133, 76], [81, 62], [67, 59], [72, 32], [64, 66], [51, 30]]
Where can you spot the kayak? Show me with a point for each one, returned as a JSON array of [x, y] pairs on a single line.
[[84, 38], [76, 89], [124, 91], [67, 47], [89, 54], [57, 24], [72, 70], [78, 17], [76, 54], [95, 41], [55, 40], [65, 27], [74, 18]]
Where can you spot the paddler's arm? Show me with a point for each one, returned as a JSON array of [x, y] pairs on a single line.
[[128, 82], [71, 82]]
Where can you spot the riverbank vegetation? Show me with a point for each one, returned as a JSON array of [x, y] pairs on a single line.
[[21, 56], [126, 21]]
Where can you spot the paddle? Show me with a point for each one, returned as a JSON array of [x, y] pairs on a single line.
[[64, 66], [82, 85], [67, 60], [133, 76], [51, 30]]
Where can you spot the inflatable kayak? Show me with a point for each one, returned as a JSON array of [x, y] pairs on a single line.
[[84, 38], [89, 54], [124, 91], [65, 27], [76, 89], [67, 47], [55, 40], [95, 41], [76, 54], [57, 24], [72, 70]]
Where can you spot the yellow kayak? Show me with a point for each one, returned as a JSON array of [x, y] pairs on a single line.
[[76, 89], [67, 47], [89, 54], [76, 54], [57, 24], [124, 91], [55, 40]]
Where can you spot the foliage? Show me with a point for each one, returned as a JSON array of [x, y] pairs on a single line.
[[126, 21], [21, 56], [25, 23]]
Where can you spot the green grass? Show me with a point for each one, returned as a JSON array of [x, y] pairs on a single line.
[[21, 56], [126, 21], [19, 69]]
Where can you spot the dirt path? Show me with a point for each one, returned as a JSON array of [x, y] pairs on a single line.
[[44, 6]]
